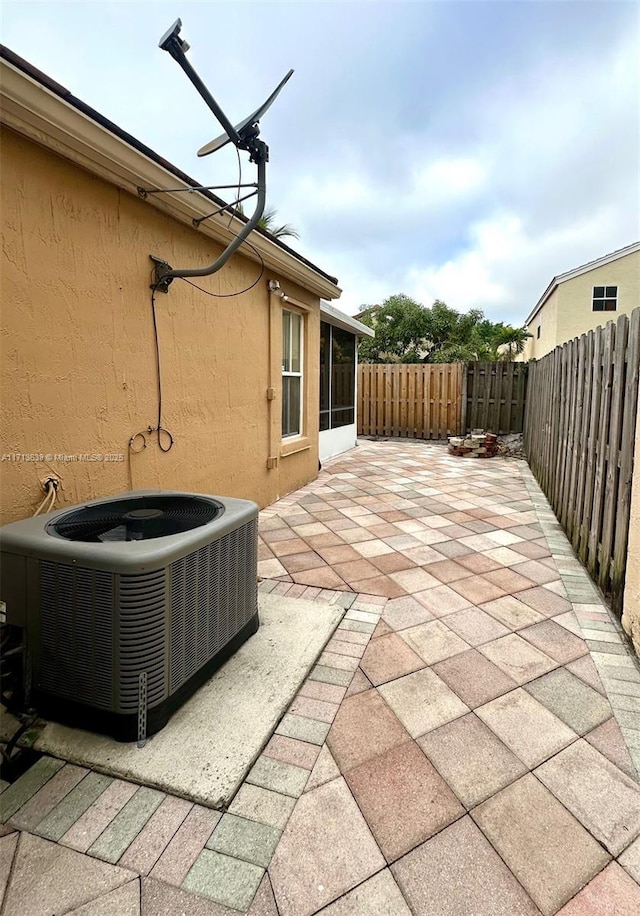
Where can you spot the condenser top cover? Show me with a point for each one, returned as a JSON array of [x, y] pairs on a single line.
[[134, 532]]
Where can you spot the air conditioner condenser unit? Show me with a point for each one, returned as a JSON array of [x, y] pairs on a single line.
[[129, 604]]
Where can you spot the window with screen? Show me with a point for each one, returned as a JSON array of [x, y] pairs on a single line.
[[292, 367]]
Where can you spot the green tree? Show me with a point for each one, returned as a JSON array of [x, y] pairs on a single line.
[[451, 336], [400, 331], [408, 332], [511, 342]]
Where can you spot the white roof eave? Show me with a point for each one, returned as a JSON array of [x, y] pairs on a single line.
[[336, 317]]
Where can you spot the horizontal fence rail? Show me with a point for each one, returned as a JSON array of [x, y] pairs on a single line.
[[416, 401], [495, 396], [579, 438]]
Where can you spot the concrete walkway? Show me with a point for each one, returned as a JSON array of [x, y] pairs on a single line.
[[464, 745]]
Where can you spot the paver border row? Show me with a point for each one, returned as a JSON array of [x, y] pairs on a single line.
[[617, 664]]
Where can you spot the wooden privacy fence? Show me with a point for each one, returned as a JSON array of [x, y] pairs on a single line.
[[417, 400], [436, 400], [494, 397], [579, 437]]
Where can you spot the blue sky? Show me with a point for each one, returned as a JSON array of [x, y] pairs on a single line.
[[466, 151]]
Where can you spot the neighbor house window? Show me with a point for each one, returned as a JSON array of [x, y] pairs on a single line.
[[605, 298], [538, 332], [292, 366]]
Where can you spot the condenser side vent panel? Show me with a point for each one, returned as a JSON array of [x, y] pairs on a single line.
[[143, 607], [77, 638], [213, 595]]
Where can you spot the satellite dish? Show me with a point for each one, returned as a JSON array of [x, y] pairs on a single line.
[[223, 139]]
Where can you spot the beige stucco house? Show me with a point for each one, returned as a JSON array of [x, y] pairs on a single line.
[[237, 355], [583, 298]]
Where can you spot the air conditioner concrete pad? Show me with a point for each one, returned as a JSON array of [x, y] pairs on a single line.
[[209, 744]]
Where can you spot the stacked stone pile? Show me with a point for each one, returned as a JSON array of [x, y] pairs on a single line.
[[477, 444]]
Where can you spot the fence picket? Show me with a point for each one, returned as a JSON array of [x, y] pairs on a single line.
[[623, 507], [595, 534], [614, 429], [568, 427], [576, 432], [592, 445], [588, 394]]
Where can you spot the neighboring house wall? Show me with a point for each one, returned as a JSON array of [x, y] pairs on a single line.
[[575, 313], [568, 311], [547, 321], [78, 366]]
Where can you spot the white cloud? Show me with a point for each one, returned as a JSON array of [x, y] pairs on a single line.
[[445, 178], [337, 192], [505, 268], [473, 278]]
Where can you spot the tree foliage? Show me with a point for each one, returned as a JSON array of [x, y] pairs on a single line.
[[408, 332], [267, 223]]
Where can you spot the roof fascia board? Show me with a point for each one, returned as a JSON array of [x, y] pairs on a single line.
[[599, 262], [334, 316], [33, 110], [541, 301]]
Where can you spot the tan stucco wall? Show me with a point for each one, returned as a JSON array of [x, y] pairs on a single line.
[[546, 320], [631, 606], [78, 361], [568, 311]]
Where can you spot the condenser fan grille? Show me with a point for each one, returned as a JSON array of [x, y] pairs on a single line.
[[137, 519]]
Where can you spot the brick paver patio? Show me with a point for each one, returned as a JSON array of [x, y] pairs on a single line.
[[464, 745]]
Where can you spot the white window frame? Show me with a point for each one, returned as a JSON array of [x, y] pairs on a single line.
[[289, 374], [604, 298]]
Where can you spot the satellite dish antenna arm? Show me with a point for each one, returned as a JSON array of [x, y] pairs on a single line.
[[245, 139]]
